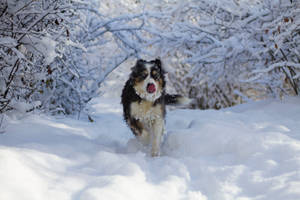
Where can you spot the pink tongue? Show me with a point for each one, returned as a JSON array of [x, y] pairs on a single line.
[[151, 88]]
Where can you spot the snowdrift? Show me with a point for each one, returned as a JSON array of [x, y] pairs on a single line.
[[251, 151]]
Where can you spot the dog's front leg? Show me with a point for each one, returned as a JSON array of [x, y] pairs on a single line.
[[157, 133], [145, 137]]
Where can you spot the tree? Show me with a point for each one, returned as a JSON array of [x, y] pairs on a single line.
[[227, 52], [55, 54]]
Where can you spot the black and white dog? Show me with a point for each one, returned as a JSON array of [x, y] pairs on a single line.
[[144, 102]]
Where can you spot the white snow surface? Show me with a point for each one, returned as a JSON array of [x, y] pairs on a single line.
[[250, 151]]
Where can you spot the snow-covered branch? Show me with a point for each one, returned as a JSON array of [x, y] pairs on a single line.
[[221, 52], [219, 47]]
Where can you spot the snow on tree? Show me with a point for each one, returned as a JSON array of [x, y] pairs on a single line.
[[55, 54], [27, 47], [227, 52]]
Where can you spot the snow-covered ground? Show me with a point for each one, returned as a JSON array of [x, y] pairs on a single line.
[[251, 151]]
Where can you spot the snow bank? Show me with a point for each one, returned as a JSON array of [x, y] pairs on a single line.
[[251, 151]]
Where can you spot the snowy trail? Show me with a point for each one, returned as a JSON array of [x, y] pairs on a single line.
[[251, 151]]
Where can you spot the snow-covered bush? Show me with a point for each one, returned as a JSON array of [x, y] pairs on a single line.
[[225, 52], [55, 54], [29, 34], [97, 44], [277, 36]]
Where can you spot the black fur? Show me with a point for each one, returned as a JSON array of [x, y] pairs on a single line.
[[172, 99], [128, 96]]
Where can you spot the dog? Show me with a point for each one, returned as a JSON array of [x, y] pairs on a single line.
[[144, 101]]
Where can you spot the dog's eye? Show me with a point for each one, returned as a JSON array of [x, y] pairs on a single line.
[[144, 75], [155, 74]]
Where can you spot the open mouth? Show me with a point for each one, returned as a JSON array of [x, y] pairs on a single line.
[[151, 88]]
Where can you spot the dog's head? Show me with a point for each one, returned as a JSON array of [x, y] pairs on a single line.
[[148, 79]]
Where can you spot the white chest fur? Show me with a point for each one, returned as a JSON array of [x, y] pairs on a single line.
[[151, 117], [146, 112]]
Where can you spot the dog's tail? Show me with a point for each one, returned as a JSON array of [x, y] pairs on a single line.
[[177, 100]]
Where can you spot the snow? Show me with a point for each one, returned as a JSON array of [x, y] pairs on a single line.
[[251, 151], [47, 46], [8, 41]]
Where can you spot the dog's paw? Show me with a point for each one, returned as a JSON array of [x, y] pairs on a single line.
[[154, 154]]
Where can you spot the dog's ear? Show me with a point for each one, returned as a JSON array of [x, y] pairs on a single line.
[[158, 62], [139, 63]]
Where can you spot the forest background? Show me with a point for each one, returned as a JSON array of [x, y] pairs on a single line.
[[56, 55]]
